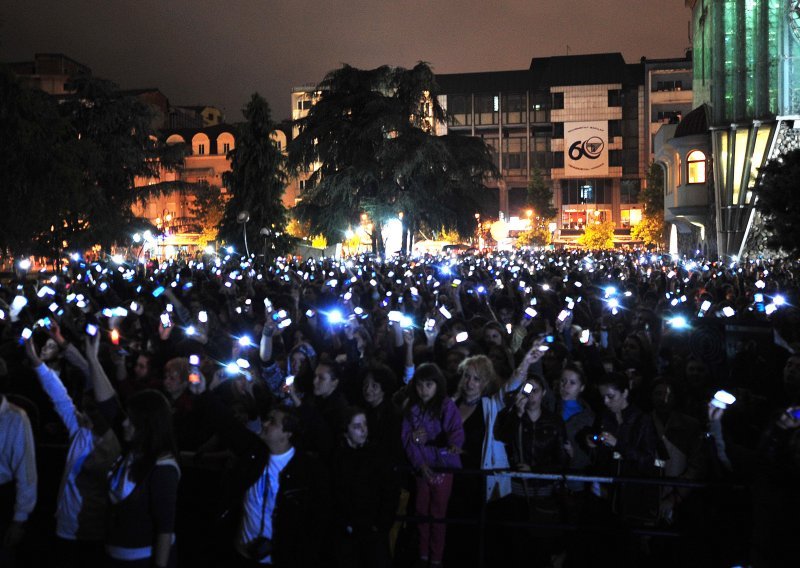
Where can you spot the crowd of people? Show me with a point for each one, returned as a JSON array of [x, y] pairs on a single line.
[[557, 408]]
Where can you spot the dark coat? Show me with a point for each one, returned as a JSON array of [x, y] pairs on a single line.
[[539, 444], [300, 520], [365, 488]]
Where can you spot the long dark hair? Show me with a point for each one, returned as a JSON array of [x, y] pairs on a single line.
[[428, 372], [153, 437]]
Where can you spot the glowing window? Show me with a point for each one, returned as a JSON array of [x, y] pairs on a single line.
[[696, 166]]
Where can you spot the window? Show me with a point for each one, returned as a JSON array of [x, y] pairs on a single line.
[[696, 166], [629, 191], [615, 158], [304, 104], [226, 147], [586, 191], [514, 108], [558, 130], [306, 184], [514, 153], [486, 109], [540, 107], [201, 149], [614, 128], [460, 108], [614, 98], [630, 217], [558, 100], [558, 159]]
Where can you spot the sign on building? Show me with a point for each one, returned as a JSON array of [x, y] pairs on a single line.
[[586, 149]]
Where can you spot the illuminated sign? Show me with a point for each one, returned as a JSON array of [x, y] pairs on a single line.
[[586, 149]]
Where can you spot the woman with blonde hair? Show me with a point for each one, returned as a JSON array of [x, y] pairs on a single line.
[[479, 409]]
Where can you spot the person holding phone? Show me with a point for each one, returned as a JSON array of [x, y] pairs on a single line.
[[535, 439], [93, 448]]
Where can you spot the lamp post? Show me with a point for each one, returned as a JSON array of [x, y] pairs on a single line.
[[243, 217]]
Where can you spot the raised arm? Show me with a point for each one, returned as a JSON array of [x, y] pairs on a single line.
[[103, 390], [54, 389]]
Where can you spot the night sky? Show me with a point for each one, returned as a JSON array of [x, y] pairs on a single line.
[[218, 53]]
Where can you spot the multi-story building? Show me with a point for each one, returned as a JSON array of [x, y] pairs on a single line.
[[668, 94], [49, 72], [585, 122], [747, 81], [207, 162], [303, 98]]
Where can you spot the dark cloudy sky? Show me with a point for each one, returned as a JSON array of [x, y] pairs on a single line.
[[218, 52]]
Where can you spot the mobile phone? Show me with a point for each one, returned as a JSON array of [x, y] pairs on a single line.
[[530, 313], [285, 323], [194, 360], [26, 333], [585, 336], [563, 315], [395, 316], [728, 312], [528, 388], [165, 320], [289, 380], [114, 337], [597, 438], [463, 336], [91, 329], [722, 399], [445, 312], [550, 338], [279, 315], [158, 291], [202, 317], [310, 313]]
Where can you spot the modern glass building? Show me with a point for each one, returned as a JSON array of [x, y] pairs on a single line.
[[747, 73]]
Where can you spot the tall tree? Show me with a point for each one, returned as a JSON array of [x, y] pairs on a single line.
[[370, 138], [38, 169], [778, 200], [540, 196], [256, 183], [652, 196], [115, 144]]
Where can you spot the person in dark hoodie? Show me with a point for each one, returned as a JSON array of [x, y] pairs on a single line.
[[323, 413], [366, 491]]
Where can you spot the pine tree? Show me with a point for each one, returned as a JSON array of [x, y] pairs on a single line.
[[256, 183]]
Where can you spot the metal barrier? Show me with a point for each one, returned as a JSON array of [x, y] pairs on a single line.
[[483, 522]]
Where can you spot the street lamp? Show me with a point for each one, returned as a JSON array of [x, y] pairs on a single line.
[[243, 217]]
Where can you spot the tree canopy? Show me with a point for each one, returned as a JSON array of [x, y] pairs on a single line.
[[68, 168], [540, 196], [779, 202], [256, 183], [598, 235], [370, 138]]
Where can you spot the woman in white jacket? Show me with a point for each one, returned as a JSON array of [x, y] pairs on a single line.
[[93, 447], [481, 450]]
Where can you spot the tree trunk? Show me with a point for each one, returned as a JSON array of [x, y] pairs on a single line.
[[377, 245]]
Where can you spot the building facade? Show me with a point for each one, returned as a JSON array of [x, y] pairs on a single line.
[[583, 122], [747, 76]]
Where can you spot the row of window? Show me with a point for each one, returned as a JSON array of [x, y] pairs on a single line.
[[598, 191], [485, 109]]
